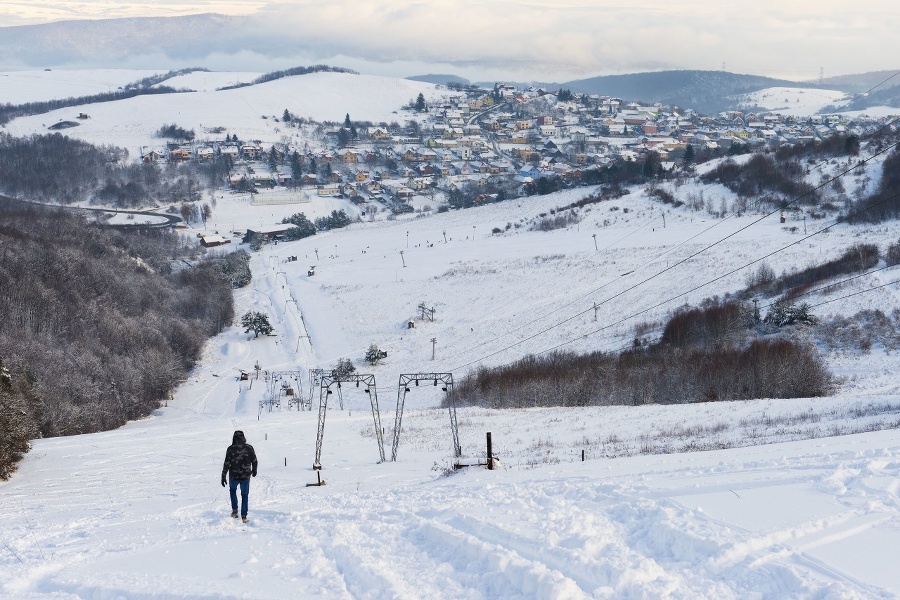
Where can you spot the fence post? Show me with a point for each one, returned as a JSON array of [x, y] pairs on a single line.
[[490, 453]]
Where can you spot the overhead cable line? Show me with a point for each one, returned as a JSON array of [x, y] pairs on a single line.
[[694, 255], [733, 271]]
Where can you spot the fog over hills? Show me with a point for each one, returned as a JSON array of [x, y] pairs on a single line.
[[270, 40]]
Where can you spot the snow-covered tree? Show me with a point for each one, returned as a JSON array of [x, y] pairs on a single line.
[[374, 354], [784, 313], [256, 322], [15, 423], [343, 368]]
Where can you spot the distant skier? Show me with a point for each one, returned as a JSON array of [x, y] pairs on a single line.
[[240, 464]]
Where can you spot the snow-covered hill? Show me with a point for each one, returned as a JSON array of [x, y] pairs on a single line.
[[18, 87], [138, 512], [250, 112], [758, 499], [799, 102]]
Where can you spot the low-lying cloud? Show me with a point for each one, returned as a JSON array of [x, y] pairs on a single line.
[[551, 40]]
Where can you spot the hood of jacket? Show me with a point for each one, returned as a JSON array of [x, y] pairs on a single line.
[[238, 438]]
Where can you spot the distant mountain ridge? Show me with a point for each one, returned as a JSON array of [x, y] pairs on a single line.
[[66, 42], [440, 79], [194, 38], [704, 91]]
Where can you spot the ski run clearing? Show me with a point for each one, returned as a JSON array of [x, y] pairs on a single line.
[[757, 499]]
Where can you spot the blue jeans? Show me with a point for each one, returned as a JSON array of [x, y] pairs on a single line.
[[245, 491]]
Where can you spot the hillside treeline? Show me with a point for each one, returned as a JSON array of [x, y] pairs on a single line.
[[273, 75], [854, 259], [142, 87], [884, 204], [662, 374], [780, 178], [96, 327], [8, 111], [58, 169], [707, 353]]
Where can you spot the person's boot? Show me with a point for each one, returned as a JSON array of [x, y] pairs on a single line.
[[244, 519], [234, 513]]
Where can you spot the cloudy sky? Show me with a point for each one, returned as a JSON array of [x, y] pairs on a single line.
[[551, 40]]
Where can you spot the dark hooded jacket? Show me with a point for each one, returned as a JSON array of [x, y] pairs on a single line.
[[240, 458]]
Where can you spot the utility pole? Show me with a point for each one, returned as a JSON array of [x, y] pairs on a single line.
[[317, 254], [403, 259], [407, 240], [595, 311], [595, 242], [433, 342], [445, 236], [664, 220]]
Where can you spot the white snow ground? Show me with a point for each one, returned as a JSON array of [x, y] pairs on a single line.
[[252, 112], [138, 512], [799, 102], [18, 87], [759, 499]]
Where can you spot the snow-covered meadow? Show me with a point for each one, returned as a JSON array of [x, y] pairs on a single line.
[[758, 499], [251, 113]]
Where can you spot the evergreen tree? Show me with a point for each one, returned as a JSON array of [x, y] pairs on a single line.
[[302, 228], [296, 169], [343, 368], [347, 122], [256, 322], [374, 354], [286, 117], [343, 137], [689, 155], [420, 103]]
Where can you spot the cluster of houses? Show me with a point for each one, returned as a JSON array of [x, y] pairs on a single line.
[[508, 138]]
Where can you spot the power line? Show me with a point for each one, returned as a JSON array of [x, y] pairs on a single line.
[[824, 229], [596, 289], [694, 255]]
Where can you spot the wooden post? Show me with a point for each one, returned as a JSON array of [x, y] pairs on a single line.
[[582, 455], [490, 453]]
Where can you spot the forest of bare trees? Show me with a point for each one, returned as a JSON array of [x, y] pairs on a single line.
[[58, 169], [96, 325]]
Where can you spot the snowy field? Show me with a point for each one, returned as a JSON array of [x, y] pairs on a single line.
[[252, 113], [758, 499], [17, 87], [799, 102], [775, 505]]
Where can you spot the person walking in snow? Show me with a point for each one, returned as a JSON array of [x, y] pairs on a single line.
[[240, 464]]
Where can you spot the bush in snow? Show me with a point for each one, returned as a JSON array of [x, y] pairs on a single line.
[[256, 322], [374, 354]]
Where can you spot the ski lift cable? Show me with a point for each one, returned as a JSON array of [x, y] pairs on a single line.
[[694, 255], [596, 289], [822, 230]]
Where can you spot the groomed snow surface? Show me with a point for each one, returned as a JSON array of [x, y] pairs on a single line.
[[759, 499], [139, 513]]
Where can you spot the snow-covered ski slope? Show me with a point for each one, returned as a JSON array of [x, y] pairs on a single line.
[[139, 513], [759, 499]]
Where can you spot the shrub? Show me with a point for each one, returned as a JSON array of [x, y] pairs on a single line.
[[174, 132], [774, 368]]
